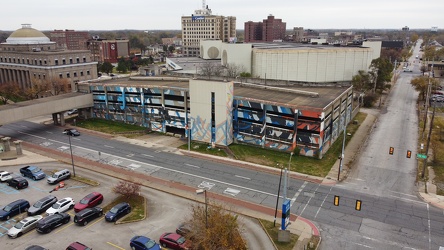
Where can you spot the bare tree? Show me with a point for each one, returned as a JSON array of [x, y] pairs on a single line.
[[127, 189], [234, 70], [208, 69], [214, 220]]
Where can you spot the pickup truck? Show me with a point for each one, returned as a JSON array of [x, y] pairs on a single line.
[[32, 172]]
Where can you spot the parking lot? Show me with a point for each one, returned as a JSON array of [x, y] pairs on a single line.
[[164, 212]]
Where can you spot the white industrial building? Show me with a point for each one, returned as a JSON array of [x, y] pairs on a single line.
[[295, 62]]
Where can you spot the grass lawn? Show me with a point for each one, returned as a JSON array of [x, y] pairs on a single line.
[[203, 148], [106, 126], [137, 204]]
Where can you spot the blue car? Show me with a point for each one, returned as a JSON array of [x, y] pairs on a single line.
[[14, 208], [118, 211], [143, 243]]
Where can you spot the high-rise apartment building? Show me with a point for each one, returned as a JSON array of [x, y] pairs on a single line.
[[268, 30], [203, 25], [70, 39]]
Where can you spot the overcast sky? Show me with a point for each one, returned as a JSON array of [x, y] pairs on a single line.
[[166, 14]]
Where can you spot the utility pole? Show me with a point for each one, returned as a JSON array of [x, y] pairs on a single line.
[[428, 142]]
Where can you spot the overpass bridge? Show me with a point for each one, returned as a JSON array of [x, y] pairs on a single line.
[[55, 105]]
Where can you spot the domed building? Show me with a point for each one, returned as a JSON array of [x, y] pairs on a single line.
[[28, 57]]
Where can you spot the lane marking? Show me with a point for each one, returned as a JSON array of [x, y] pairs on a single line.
[[306, 204], [319, 209], [115, 246], [32, 135], [65, 227], [428, 218], [420, 202], [106, 146], [243, 177], [403, 193], [49, 132], [148, 155], [190, 165], [91, 224], [231, 191], [296, 195]]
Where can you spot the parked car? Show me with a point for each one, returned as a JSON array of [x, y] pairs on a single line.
[[61, 206], [5, 176], [42, 205], [32, 172], [14, 208], [91, 200], [407, 70], [87, 215], [24, 226], [35, 247], [174, 241], [77, 246], [59, 176], [118, 211], [18, 183], [183, 229], [143, 243], [71, 132], [73, 111], [51, 222]]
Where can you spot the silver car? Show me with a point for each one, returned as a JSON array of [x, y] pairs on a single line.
[[24, 226]]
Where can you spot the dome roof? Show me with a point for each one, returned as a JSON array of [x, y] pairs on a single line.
[[27, 35]]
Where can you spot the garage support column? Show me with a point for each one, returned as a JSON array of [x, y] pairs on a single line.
[[55, 119], [62, 118], [18, 147], [7, 146]]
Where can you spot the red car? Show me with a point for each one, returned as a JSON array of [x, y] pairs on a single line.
[[174, 241], [91, 200]]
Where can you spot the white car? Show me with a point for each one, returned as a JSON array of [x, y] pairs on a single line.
[[73, 111], [5, 176], [61, 206], [24, 226]]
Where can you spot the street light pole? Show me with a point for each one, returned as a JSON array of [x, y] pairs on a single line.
[[72, 158], [200, 191]]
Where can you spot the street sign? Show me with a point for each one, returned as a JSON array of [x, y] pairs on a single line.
[[421, 156]]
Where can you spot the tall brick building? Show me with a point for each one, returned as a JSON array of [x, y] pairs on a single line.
[[70, 39], [268, 30]]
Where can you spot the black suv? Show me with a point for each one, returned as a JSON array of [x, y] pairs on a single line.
[[41, 205], [87, 215], [18, 182], [50, 222]]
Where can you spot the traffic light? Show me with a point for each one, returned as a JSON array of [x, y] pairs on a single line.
[[358, 205], [409, 153], [392, 149], [336, 201]]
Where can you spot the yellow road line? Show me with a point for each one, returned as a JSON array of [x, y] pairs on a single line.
[[115, 246], [63, 228], [94, 222]]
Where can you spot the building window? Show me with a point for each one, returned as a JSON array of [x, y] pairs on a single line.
[[84, 59], [63, 61], [78, 60], [56, 61], [40, 61], [68, 75], [44, 76], [87, 72], [81, 73], [60, 75], [75, 74], [45, 61], [70, 60]]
